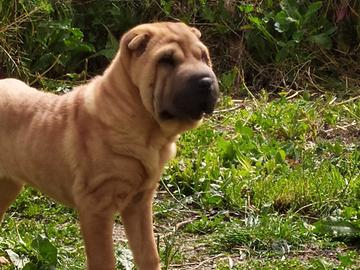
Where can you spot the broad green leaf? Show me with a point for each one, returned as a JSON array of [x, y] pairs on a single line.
[[350, 212], [282, 54], [280, 156], [255, 20], [227, 79], [84, 48], [166, 6], [246, 8], [298, 36], [213, 199], [108, 53], [46, 250], [291, 8], [30, 266], [323, 40], [209, 14], [227, 148], [320, 264], [337, 228], [243, 130], [313, 8], [331, 30], [348, 259], [281, 22], [112, 41]]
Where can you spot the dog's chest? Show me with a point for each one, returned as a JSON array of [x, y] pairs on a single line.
[[153, 163], [167, 153]]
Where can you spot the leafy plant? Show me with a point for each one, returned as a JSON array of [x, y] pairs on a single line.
[[44, 255], [290, 30], [37, 38]]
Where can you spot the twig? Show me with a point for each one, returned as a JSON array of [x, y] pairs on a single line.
[[312, 82], [315, 203], [207, 260], [10, 57], [46, 71], [198, 264], [19, 20], [238, 100], [252, 96], [351, 112], [185, 222], [172, 195], [293, 95], [340, 127], [348, 100], [183, 264], [297, 73], [228, 110]]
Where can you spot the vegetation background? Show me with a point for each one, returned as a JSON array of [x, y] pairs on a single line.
[[271, 181]]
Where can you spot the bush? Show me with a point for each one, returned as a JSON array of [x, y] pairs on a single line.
[[38, 38], [279, 44]]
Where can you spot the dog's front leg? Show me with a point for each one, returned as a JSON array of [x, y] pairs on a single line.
[[137, 219], [8, 192], [97, 231]]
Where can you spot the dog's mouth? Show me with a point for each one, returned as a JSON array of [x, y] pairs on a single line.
[[166, 115], [189, 115]]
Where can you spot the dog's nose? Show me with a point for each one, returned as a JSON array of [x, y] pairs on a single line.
[[193, 98], [201, 95], [205, 83]]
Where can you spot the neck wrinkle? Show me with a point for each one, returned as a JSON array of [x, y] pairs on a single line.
[[122, 87], [119, 94], [118, 97]]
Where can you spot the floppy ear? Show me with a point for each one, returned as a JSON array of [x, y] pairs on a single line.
[[136, 42], [196, 31]]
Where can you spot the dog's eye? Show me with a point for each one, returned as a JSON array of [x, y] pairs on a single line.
[[205, 57], [167, 60]]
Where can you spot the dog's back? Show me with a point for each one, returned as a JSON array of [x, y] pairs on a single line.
[[32, 130]]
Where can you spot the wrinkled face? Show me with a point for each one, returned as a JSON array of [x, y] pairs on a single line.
[[171, 67]]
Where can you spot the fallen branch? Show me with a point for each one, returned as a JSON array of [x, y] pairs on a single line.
[[340, 127], [228, 110]]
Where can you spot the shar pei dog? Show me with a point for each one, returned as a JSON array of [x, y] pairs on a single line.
[[101, 148]]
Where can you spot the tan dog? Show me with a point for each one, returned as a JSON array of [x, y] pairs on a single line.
[[102, 147]]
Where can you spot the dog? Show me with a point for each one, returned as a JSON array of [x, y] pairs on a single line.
[[101, 148]]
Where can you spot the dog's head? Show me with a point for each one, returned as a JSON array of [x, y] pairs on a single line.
[[171, 67]]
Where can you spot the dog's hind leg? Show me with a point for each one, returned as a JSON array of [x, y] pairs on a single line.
[[8, 192]]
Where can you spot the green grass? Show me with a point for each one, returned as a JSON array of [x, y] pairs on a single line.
[[274, 184]]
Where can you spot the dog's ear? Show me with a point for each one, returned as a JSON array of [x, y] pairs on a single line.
[[139, 41], [136, 42], [196, 32]]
